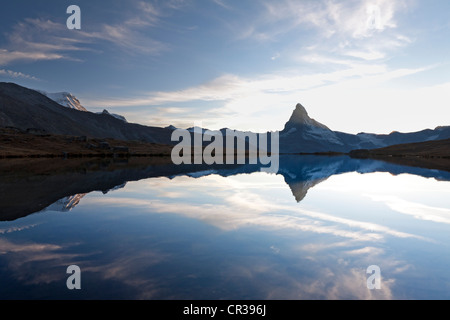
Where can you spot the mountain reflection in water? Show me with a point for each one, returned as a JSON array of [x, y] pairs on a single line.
[[147, 229], [28, 186]]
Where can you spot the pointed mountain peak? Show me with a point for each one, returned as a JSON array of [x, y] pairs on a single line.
[[300, 107], [300, 118], [300, 113]]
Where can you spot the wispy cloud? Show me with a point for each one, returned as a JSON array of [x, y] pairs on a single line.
[[128, 39], [34, 39], [357, 19], [239, 207], [222, 3], [417, 210], [6, 56], [230, 87], [38, 39], [15, 74], [363, 29], [257, 99]]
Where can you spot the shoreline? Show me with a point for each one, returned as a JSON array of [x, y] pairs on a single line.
[[18, 144]]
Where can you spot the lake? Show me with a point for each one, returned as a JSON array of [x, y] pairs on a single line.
[[152, 230]]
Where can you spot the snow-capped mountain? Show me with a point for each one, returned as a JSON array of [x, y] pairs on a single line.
[[302, 134], [309, 128], [65, 99], [25, 108], [68, 100]]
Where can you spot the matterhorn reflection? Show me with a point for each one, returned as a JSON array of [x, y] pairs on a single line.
[[30, 191]]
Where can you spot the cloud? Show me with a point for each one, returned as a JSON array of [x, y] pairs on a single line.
[[6, 56], [417, 210], [15, 74], [35, 39], [239, 206], [129, 39], [354, 18], [232, 87], [129, 269], [352, 40], [23, 259], [235, 216], [222, 4], [261, 102], [333, 273], [356, 29], [16, 229]]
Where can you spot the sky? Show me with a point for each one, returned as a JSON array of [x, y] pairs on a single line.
[[356, 65]]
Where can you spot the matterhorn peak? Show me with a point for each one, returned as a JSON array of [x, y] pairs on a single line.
[[300, 118], [300, 114]]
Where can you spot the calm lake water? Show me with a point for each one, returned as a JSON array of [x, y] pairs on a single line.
[[308, 232]]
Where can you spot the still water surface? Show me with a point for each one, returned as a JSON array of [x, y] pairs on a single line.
[[308, 232]]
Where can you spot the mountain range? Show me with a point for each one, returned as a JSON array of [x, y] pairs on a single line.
[[302, 134], [62, 113], [68, 100]]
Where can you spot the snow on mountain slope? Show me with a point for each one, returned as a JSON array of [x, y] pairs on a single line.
[[303, 134], [65, 99], [66, 204], [68, 100], [371, 138], [318, 133]]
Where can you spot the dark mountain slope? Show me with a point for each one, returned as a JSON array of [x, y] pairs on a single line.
[[24, 109]]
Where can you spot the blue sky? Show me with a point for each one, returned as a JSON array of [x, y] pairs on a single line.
[[357, 66]]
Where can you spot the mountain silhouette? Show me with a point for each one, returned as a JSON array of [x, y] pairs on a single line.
[[25, 109]]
